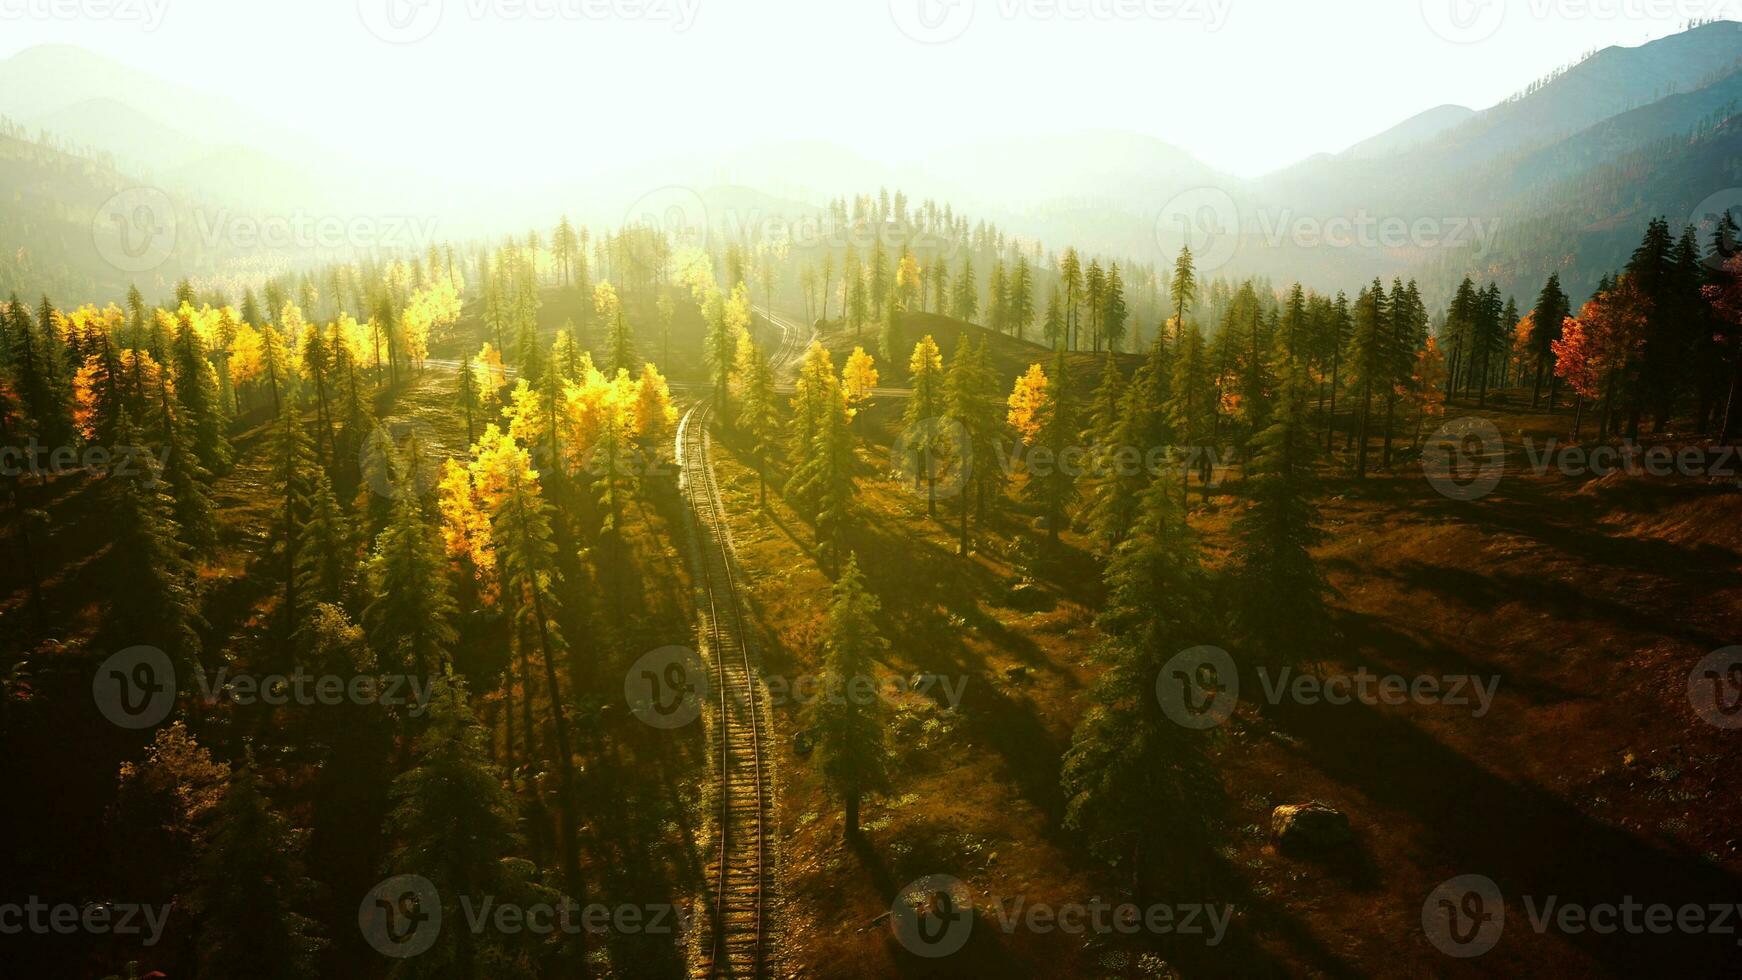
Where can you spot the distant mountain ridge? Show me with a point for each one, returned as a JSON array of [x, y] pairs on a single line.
[[1558, 156], [1411, 133]]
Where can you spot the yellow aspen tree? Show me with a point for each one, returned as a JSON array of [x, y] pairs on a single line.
[[859, 377]]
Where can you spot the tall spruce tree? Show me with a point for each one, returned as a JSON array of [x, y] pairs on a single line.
[[410, 607], [250, 892], [851, 752], [1137, 784], [1278, 587]]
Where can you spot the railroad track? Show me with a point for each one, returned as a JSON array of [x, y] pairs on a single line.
[[793, 340], [735, 940]]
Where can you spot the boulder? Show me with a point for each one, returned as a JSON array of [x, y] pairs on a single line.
[[1025, 595], [1307, 827]]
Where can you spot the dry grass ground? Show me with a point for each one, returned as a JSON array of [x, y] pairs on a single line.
[[1591, 778]]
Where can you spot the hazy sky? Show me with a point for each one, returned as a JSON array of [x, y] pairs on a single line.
[[1247, 85]]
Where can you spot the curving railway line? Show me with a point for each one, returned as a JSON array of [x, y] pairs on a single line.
[[735, 940]]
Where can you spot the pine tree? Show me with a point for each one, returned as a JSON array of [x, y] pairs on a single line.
[[1053, 325], [467, 392], [825, 475], [965, 305], [316, 364], [156, 607], [293, 462], [457, 826], [878, 282], [1339, 326], [1184, 287], [816, 377], [1458, 333], [971, 398], [924, 408], [326, 553], [249, 891], [1137, 784], [858, 302], [1070, 288], [620, 342], [1019, 301], [196, 387], [275, 365], [1052, 484], [33, 357], [1551, 311], [531, 350], [1408, 331], [940, 286], [997, 305], [1369, 361], [1114, 312], [1278, 584], [1114, 420], [850, 732], [760, 421], [889, 342], [186, 479], [1192, 409], [520, 528], [721, 347], [410, 607]]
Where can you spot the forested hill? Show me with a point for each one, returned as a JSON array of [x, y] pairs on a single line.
[[1577, 161], [49, 202]]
